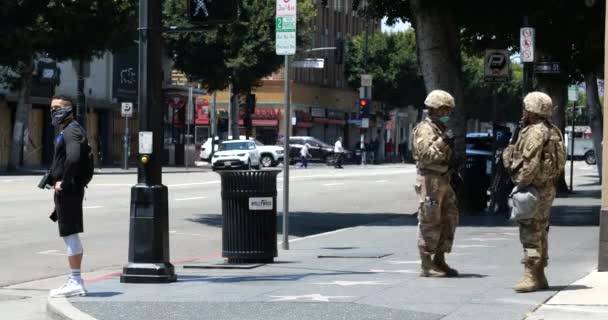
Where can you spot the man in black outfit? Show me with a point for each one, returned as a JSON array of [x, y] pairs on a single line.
[[66, 176]]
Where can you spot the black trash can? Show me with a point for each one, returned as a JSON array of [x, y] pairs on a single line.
[[249, 211], [475, 184]]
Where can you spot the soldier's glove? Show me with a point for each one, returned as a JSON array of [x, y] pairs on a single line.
[[448, 136]]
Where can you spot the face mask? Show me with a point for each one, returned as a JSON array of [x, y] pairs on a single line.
[[444, 119], [59, 115]]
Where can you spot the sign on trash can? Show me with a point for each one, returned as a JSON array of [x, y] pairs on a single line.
[[257, 203]]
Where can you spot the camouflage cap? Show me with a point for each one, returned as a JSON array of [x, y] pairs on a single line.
[[439, 98], [538, 103]]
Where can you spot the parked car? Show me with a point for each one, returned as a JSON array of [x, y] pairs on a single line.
[[236, 154], [319, 150], [270, 155]]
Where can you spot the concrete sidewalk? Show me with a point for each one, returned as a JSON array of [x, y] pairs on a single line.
[[301, 285], [584, 299]]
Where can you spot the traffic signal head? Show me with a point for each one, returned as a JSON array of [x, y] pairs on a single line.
[[364, 107], [207, 12]]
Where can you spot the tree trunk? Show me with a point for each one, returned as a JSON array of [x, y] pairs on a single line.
[[24, 106], [556, 87], [438, 50], [234, 112], [594, 113]]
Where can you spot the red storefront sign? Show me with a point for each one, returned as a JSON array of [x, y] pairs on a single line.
[[202, 112]]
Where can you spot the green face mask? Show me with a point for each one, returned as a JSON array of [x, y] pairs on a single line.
[[444, 119]]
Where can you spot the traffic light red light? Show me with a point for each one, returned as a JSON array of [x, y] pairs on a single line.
[[364, 107]]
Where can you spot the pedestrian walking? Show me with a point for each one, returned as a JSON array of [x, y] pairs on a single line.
[[338, 152], [70, 171], [388, 149], [438, 209], [304, 155], [536, 160]]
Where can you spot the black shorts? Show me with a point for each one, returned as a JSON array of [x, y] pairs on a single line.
[[68, 206]]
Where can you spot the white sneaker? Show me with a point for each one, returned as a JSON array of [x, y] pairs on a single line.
[[70, 289]]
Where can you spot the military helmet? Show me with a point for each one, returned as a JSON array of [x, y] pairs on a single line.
[[439, 98], [538, 103]]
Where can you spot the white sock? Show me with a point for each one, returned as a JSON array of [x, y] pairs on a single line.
[[75, 274]]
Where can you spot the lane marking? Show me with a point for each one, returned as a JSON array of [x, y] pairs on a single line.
[[191, 198], [334, 184], [93, 207], [52, 253], [113, 184], [192, 184], [316, 235], [381, 181], [352, 283], [392, 271]]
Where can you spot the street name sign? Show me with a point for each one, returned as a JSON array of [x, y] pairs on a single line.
[[547, 67], [285, 36]]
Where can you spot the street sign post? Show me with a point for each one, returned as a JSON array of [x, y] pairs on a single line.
[[285, 39], [572, 97], [126, 109], [526, 44]]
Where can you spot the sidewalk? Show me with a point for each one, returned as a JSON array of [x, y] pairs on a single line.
[[383, 283], [584, 299]]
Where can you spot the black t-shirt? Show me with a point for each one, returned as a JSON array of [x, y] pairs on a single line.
[[69, 154]]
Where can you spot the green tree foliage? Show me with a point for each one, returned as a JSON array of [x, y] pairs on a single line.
[[61, 30], [398, 81], [58, 29], [240, 53], [392, 63]]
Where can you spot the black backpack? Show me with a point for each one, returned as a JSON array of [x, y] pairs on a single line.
[[87, 166]]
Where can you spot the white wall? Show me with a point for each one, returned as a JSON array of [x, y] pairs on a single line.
[[98, 85]]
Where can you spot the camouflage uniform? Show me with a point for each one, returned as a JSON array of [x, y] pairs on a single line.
[[438, 209], [524, 160]]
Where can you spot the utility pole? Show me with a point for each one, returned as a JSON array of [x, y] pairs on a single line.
[[149, 219], [80, 99]]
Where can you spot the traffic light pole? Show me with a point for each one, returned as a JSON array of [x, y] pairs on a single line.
[[149, 219]]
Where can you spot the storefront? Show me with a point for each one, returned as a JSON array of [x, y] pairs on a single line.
[[303, 123]]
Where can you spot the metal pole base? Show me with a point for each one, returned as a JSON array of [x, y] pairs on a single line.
[[603, 248], [148, 273], [149, 237]]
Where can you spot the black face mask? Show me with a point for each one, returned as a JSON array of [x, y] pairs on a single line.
[[59, 115]]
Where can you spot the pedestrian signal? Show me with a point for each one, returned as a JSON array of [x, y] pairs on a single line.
[[208, 12]]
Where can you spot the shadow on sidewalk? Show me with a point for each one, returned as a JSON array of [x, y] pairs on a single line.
[[303, 224], [268, 278], [569, 288]]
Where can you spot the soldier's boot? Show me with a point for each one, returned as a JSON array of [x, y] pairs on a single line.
[[529, 281], [439, 261], [542, 279], [428, 268]]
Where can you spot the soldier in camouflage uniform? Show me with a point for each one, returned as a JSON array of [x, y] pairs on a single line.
[[532, 162], [438, 209]]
